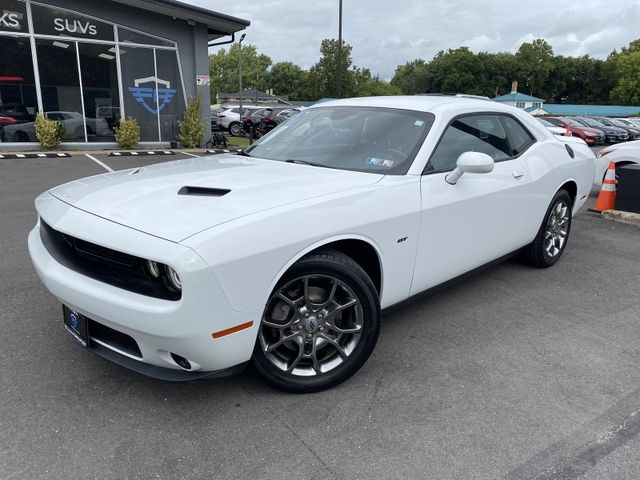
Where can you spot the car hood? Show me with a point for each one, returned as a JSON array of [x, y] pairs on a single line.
[[178, 199]]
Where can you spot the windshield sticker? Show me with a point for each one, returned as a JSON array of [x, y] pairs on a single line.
[[380, 162], [418, 123]]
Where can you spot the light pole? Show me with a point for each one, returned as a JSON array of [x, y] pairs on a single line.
[[340, 50], [240, 72]]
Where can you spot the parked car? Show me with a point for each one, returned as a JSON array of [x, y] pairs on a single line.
[[285, 254], [7, 120], [273, 119], [555, 129], [612, 134], [622, 154], [633, 131], [635, 121], [254, 119], [228, 118], [589, 135], [17, 111], [73, 123]]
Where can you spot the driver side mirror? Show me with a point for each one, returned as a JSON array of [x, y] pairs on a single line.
[[470, 162]]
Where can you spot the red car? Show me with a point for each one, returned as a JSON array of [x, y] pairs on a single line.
[[589, 135]]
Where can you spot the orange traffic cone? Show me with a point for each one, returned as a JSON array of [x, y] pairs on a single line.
[[568, 132], [607, 198]]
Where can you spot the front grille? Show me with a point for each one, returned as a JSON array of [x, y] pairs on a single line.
[[104, 264], [113, 338]]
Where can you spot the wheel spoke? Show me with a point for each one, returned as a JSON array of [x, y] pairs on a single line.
[[350, 303], [332, 294], [296, 361], [285, 338], [335, 345]]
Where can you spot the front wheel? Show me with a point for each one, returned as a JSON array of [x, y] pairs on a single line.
[[320, 324], [551, 240]]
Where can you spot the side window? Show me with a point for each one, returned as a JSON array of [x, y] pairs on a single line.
[[475, 133], [235, 110], [519, 138]]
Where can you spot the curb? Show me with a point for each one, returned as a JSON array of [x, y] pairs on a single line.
[[627, 218], [33, 155], [140, 153], [218, 151]]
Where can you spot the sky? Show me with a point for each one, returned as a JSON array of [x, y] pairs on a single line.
[[385, 34]]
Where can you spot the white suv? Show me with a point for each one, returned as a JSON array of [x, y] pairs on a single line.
[[229, 118]]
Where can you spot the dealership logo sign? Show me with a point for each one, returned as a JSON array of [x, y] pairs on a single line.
[[153, 98], [10, 20]]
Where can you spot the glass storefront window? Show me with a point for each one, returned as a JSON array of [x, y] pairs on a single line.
[[78, 72], [129, 36], [60, 85], [172, 110], [18, 99], [140, 90], [13, 16], [99, 90]]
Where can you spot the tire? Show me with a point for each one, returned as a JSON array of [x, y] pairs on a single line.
[[551, 240], [235, 129], [20, 136], [327, 308]]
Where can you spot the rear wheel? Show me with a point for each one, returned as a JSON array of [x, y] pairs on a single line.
[[551, 240], [235, 129], [319, 326]]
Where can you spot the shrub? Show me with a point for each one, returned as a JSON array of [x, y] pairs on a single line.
[[49, 132], [191, 129], [128, 134]]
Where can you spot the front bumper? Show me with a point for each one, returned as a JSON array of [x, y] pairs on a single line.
[[159, 327]]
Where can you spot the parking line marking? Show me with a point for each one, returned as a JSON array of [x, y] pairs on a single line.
[[104, 165], [191, 154]]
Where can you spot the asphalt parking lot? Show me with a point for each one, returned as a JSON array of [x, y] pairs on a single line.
[[514, 373]]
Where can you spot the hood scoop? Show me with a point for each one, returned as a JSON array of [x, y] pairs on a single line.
[[203, 191]]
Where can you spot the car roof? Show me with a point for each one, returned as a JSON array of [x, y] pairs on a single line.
[[422, 103]]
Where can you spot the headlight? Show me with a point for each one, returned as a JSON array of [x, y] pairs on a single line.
[[172, 278], [153, 268]]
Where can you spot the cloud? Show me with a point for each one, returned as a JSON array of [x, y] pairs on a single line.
[[387, 34]]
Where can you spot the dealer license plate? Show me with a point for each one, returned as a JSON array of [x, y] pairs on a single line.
[[76, 325]]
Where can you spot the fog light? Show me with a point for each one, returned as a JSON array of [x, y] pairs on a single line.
[[173, 278]]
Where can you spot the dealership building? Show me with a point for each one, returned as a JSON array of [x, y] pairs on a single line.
[[90, 63]]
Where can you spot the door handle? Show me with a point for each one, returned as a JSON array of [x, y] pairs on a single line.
[[518, 174]]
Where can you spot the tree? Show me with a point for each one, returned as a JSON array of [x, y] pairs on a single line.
[[287, 78], [534, 61], [411, 78], [324, 74], [626, 68], [223, 69]]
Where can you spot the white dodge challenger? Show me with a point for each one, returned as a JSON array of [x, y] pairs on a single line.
[[284, 254]]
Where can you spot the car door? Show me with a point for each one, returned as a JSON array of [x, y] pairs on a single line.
[[483, 216]]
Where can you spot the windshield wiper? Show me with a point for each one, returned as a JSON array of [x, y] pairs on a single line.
[[244, 154], [304, 162]]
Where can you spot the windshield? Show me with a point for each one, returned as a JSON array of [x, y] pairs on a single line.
[[619, 123], [364, 139], [546, 123], [591, 122]]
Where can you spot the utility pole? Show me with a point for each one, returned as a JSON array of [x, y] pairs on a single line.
[[340, 50], [240, 72]]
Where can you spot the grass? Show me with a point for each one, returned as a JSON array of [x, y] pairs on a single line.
[[238, 142]]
